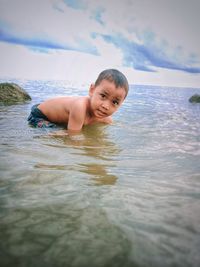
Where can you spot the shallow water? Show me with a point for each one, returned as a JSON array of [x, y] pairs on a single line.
[[121, 195]]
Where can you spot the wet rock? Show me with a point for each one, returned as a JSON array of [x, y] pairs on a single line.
[[195, 99], [11, 93]]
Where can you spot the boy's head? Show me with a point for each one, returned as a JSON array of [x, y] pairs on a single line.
[[108, 93], [115, 76]]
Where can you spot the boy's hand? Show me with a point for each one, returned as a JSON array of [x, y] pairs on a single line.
[[59, 133]]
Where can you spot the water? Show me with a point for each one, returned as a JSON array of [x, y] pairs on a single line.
[[125, 195]]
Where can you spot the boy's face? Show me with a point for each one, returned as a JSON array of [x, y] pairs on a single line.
[[106, 98]]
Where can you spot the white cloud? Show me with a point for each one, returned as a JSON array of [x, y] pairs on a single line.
[[175, 21], [70, 65], [80, 68], [171, 26], [162, 77], [36, 19]]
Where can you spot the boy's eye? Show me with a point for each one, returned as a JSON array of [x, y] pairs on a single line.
[[115, 102], [102, 95]]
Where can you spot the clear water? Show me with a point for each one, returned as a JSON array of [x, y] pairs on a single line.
[[121, 195]]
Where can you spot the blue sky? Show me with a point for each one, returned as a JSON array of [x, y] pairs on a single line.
[[151, 41]]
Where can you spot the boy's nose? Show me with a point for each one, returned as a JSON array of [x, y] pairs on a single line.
[[105, 105]]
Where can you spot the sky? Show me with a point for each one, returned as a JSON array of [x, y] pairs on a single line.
[[154, 42]]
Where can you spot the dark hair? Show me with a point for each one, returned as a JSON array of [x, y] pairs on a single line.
[[115, 76]]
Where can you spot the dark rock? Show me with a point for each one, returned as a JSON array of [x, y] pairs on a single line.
[[195, 99], [11, 93]]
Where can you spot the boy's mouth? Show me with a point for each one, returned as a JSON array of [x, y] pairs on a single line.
[[102, 113]]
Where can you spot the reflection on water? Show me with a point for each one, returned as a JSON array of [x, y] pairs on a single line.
[[94, 144], [98, 173], [120, 195]]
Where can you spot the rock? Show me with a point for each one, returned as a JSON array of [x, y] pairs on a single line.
[[11, 93], [195, 99]]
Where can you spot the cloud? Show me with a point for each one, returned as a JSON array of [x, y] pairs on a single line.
[[146, 57], [14, 38], [132, 34], [43, 44], [98, 15], [76, 4], [45, 26], [79, 69]]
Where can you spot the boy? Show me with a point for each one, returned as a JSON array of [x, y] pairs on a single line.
[[105, 97]]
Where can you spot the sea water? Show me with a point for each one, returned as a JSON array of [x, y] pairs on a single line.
[[125, 195]]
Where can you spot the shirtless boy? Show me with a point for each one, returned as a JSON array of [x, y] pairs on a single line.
[[105, 97]]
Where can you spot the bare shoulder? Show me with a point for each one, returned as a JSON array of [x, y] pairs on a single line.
[[77, 113], [79, 103], [78, 108]]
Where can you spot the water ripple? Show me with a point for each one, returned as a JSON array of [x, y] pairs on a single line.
[[126, 194]]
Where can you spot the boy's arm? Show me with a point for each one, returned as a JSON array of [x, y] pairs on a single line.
[[76, 117], [77, 114]]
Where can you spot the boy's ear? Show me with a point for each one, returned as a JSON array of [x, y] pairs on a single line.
[[91, 90]]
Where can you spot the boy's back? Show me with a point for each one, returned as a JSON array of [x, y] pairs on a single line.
[[57, 110]]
